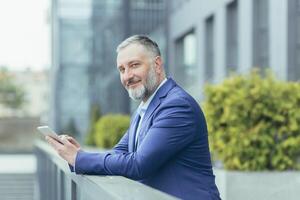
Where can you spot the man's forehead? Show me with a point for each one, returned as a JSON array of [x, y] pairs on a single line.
[[131, 52]]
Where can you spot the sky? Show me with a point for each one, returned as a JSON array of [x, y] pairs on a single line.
[[25, 34]]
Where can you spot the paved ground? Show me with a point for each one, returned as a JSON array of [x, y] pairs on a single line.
[[17, 177]]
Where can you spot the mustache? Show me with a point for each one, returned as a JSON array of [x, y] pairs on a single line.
[[132, 81]]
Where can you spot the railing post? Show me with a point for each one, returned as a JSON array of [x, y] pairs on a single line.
[[61, 185], [73, 191]]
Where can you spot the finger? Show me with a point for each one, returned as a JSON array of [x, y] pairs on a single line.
[[73, 141], [62, 136], [70, 139], [54, 143], [64, 139]]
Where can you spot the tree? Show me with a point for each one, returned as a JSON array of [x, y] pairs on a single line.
[[11, 95]]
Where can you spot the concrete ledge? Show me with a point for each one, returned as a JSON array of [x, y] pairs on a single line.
[[57, 182], [267, 185]]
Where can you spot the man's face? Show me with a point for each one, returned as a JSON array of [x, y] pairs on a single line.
[[137, 71]]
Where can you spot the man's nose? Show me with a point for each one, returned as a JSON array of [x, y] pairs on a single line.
[[127, 74]]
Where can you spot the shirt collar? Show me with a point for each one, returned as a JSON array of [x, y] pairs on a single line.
[[144, 105]]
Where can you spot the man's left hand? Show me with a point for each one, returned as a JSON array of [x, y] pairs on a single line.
[[68, 150]]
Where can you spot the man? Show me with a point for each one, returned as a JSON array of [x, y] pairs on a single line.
[[166, 145]]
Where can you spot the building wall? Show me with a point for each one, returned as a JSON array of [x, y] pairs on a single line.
[[109, 27], [279, 37], [36, 86], [71, 58], [182, 22]]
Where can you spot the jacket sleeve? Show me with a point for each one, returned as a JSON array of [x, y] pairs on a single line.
[[173, 128], [122, 146]]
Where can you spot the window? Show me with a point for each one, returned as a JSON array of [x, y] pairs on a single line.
[[232, 37], [260, 33], [185, 71], [294, 40], [209, 48]]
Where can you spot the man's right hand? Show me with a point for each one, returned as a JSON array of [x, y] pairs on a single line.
[[68, 149], [71, 140]]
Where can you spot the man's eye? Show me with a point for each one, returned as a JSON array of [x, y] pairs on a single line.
[[135, 65], [121, 70]]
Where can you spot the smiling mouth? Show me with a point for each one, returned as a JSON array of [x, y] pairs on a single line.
[[133, 84]]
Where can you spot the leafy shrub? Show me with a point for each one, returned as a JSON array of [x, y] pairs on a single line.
[[254, 122], [110, 129]]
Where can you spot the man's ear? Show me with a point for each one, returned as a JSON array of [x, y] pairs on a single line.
[[158, 64]]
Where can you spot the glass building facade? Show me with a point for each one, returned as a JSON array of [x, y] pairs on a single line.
[[85, 34]]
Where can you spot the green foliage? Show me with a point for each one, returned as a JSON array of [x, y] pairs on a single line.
[[95, 115], [110, 129], [11, 95], [254, 122]]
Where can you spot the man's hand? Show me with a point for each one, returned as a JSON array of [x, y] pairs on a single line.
[[68, 150]]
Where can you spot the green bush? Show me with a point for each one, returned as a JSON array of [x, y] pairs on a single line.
[[110, 129], [254, 122]]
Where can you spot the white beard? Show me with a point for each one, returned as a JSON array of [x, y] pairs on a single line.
[[142, 91], [138, 93]]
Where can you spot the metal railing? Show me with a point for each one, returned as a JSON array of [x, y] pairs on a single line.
[[56, 182]]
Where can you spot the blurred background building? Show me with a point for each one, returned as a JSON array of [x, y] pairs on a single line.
[[85, 35], [201, 41], [232, 36]]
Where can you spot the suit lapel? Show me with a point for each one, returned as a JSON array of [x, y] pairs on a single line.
[[132, 130], [162, 92]]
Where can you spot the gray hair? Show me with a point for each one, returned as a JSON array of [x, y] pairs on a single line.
[[143, 40]]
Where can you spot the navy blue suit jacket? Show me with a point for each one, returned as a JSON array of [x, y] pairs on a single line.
[[173, 154]]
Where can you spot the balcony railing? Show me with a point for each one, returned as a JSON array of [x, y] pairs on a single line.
[[56, 182]]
